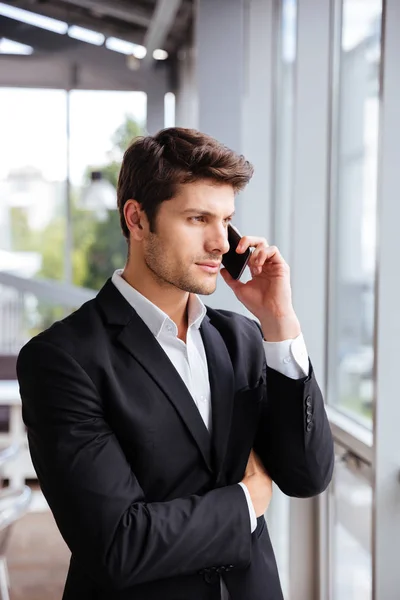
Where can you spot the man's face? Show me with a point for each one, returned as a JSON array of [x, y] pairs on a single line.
[[191, 237]]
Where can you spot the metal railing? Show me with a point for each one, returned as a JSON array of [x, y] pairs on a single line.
[[28, 306]]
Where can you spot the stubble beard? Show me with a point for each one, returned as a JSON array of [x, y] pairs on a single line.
[[175, 275]]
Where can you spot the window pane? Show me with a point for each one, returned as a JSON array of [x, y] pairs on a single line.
[[33, 169], [352, 535], [287, 39], [32, 181], [353, 216], [278, 515]]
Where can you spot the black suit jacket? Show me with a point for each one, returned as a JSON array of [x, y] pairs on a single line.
[[146, 499]]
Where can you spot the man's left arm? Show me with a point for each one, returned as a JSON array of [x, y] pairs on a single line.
[[293, 439]]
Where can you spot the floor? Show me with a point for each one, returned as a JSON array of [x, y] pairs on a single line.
[[37, 555]]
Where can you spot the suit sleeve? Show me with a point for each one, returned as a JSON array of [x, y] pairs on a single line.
[[118, 538], [293, 438]]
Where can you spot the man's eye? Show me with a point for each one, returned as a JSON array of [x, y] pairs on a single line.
[[199, 219]]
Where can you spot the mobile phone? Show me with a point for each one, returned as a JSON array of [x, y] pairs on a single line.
[[233, 262]]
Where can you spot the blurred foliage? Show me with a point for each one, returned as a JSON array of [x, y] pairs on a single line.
[[126, 133], [107, 251], [23, 238]]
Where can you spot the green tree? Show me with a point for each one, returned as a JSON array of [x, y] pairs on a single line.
[[23, 239], [126, 133], [107, 252], [52, 247]]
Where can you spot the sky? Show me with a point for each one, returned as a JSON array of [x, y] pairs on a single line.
[[33, 128]]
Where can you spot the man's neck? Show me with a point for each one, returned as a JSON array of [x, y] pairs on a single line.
[[168, 298]]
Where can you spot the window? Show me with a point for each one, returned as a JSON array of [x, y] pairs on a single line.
[[33, 191], [353, 210], [351, 530], [39, 237], [285, 98], [32, 180], [278, 515]]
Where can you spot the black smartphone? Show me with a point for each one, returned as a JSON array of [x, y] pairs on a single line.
[[233, 262]]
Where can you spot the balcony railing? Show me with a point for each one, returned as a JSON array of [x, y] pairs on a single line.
[[27, 306]]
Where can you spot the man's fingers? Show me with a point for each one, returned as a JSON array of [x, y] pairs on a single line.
[[257, 260], [260, 255], [234, 284], [262, 250], [250, 241]]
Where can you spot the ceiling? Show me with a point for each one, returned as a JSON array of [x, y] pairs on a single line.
[[164, 24]]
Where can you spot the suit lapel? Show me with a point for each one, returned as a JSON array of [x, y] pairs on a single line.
[[137, 339], [221, 378]]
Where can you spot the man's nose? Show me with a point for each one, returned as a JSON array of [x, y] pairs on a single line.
[[218, 241]]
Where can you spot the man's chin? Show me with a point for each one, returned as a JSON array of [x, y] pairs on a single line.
[[207, 288], [202, 288]]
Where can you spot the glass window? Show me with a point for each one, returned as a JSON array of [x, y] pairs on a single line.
[[278, 515], [285, 97], [33, 171], [352, 533], [353, 211], [33, 199]]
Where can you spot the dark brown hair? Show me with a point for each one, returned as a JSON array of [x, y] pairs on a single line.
[[154, 166]]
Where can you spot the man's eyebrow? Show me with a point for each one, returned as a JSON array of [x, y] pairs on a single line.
[[203, 213]]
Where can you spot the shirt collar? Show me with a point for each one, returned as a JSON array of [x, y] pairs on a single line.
[[156, 319]]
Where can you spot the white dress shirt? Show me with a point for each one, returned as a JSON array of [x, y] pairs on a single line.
[[288, 357]]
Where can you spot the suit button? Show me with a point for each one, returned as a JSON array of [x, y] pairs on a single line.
[[309, 410], [309, 427], [309, 418], [308, 401]]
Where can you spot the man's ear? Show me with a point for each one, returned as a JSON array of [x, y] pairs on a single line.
[[134, 217]]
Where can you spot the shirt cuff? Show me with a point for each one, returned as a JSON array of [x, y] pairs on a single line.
[[252, 512], [289, 357]]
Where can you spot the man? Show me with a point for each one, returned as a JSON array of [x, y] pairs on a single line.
[[155, 423]]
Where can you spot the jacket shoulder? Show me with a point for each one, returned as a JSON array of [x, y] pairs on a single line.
[[71, 334]]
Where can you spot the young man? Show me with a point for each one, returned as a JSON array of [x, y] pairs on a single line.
[[155, 423]]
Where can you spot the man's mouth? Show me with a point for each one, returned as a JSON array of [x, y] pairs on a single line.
[[210, 266]]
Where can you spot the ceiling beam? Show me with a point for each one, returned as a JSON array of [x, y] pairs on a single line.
[[42, 41], [160, 26], [59, 73], [63, 62], [75, 16], [115, 9], [47, 44]]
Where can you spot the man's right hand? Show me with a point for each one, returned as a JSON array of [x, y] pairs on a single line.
[[259, 484]]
